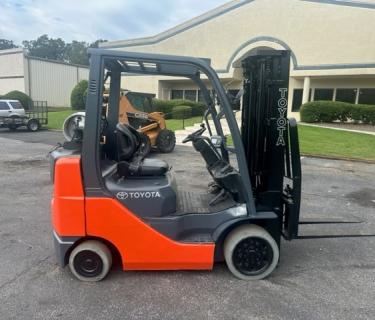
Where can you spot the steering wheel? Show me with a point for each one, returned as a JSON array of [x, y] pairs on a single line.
[[193, 136]]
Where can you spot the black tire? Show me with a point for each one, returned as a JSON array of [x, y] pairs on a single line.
[[33, 125], [90, 261], [250, 252], [145, 144], [13, 127], [166, 141]]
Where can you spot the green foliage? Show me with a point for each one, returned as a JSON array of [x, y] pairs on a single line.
[[45, 47], [77, 97], [181, 112], [329, 111], [364, 113], [7, 44], [96, 43], [21, 97], [76, 52], [85, 96], [166, 106], [56, 49]]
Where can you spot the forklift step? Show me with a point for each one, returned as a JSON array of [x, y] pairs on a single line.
[[198, 238]]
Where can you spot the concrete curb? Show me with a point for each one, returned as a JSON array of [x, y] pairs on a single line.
[[333, 128], [307, 155]]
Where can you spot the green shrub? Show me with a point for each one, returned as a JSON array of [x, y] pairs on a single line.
[[181, 112], [363, 113], [85, 96], [23, 98], [329, 111], [166, 106], [77, 97]]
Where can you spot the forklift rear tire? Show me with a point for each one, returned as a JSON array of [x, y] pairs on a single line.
[[90, 261], [250, 252], [33, 125], [166, 141]]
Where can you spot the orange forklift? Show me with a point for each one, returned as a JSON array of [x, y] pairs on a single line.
[[110, 199]]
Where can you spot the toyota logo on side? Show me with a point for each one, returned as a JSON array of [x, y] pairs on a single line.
[[122, 195]]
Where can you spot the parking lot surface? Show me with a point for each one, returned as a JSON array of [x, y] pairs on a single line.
[[316, 279]]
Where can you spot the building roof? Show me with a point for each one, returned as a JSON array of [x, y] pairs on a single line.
[[24, 52], [56, 61], [212, 14], [11, 51]]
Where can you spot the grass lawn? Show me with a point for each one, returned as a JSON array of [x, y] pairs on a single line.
[[176, 124], [56, 118], [336, 143]]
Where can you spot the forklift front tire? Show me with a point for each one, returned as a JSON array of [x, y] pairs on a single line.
[[250, 252], [90, 261]]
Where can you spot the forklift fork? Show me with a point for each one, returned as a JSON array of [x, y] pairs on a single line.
[[332, 236]]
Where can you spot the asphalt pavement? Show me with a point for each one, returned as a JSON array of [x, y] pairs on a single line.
[[315, 279]]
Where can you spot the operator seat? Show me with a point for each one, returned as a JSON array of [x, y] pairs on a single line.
[[131, 156]]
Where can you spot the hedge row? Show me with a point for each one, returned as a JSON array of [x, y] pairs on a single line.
[[181, 112], [166, 106], [329, 111], [23, 98]]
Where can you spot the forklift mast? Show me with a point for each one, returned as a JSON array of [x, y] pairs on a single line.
[[270, 140]]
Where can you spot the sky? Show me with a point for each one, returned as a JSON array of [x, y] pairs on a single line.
[[86, 20]]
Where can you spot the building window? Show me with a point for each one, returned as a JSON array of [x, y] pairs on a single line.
[[191, 95], [177, 94], [366, 96], [323, 94], [297, 99], [200, 96], [346, 95]]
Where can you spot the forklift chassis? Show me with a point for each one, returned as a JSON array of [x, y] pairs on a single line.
[[107, 204]]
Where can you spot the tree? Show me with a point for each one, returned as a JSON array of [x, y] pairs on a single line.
[[7, 44], [45, 47], [76, 52], [96, 43]]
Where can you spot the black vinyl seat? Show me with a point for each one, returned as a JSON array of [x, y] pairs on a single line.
[[131, 157]]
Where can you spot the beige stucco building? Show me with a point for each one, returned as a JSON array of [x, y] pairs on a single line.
[[41, 79], [332, 43]]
